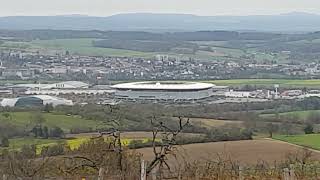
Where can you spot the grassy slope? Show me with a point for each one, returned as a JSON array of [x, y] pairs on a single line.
[[14, 45], [211, 123], [221, 50], [300, 114], [75, 140], [83, 47], [18, 143], [23, 119], [308, 140]]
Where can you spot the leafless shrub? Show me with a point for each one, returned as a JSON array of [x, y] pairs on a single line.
[[166, 147]]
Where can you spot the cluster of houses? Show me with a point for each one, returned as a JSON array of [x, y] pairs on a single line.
[[269, 94], [27, 65]]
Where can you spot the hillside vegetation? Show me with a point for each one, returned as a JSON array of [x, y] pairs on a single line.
[[203, 45]]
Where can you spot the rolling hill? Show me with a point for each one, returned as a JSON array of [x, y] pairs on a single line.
[[291, 22]]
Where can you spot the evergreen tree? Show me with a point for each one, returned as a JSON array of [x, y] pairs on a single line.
[[5, 142], [308, 129], [56, 132], [45, 132], [35, 131], [48, 108], [40, 131]]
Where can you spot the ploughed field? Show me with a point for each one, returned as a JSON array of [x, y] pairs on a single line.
[[248, 152]]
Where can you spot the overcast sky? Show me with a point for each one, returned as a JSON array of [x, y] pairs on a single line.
[[198, 7]]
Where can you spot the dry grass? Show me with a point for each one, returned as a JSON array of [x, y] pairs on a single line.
[[197, 161], [209, 123], [212, 123]]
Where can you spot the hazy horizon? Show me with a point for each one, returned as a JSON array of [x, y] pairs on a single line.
[[112, 7], [88, 15]]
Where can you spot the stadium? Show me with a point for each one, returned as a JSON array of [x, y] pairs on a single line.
[[163, 90]]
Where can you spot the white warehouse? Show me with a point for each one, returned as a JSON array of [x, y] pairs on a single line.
[[163, 90], [34, 101], [60, 85], [238, 94]]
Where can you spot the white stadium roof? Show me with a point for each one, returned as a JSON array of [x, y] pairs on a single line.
[[164, 86]]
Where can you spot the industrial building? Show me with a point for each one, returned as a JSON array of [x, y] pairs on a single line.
[[57, 92], [163, 90], [32, 101], [238, 94], [60, 85]]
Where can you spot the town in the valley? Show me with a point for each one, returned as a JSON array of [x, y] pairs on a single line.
[[91, 79]]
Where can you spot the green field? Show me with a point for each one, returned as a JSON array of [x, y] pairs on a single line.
[[307, 140], [17, 143], [313, 83], [24, 119], [83, 47], [14, 45], [298, 114], [80, 46]]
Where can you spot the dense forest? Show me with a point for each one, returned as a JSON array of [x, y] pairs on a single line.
[[136, 35]]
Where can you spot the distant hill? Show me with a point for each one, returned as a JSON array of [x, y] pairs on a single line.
[[291, 22]]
